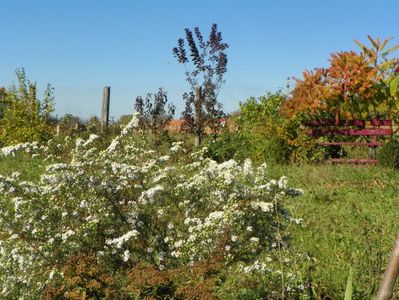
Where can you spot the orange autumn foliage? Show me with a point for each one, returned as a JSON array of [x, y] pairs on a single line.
[[354, 86]]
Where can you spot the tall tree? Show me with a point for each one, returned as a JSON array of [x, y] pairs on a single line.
[[205, 66], [155, 111]]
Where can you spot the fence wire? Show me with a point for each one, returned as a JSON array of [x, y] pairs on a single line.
[[85, 102]]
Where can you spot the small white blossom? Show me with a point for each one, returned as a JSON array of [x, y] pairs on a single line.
[[164, 158], [263, 206], [67, 234], [126, 255], [254, 239], [120, 240]]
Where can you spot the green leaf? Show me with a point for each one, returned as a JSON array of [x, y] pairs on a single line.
[[394, 87], [360, 44], [383, 44], [387, 64], [396, 47], [349, 287]]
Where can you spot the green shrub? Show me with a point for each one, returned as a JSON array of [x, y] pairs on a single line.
[[274, 137], [261, 135], [23, 117], [239, 146], [335, 151], [277, 150], [98, 217], [389, 154], [70, 125], [251, 282], [229, 146]]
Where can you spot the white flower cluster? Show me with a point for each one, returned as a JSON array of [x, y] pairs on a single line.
[[118, 242], [27, 147], [90, 140], [132, 204], [263, 206], [133, 124], [258, 266], [176, 147]]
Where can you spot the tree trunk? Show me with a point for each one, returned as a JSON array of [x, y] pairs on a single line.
[[390, 275], [198, 115]]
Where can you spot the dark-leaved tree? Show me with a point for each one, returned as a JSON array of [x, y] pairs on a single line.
[[155, 111], [208, 63]]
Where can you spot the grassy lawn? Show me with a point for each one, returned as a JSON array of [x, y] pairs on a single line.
[[350, 219], [29, 168]]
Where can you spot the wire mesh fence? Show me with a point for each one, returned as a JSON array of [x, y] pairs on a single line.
[[85, 102]]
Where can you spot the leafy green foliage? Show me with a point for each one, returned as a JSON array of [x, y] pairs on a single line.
[[262, 115], [273, 137], [263, 124], [93, 125], [70, 125], [277, 150], [23, 117], [255, 285], [124, 120], [394, 87], [388, 156], [228, 146]]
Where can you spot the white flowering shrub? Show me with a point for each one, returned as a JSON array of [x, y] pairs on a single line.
[[92, 218], [11, 150]]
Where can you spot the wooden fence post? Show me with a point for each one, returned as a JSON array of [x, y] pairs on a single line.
[[391, 273], [373, 150], [105, 108]]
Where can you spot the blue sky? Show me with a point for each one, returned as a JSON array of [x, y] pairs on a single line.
[[81, 46]]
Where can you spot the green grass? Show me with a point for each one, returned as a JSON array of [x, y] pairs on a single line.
[[30, 168], [350, 220]]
